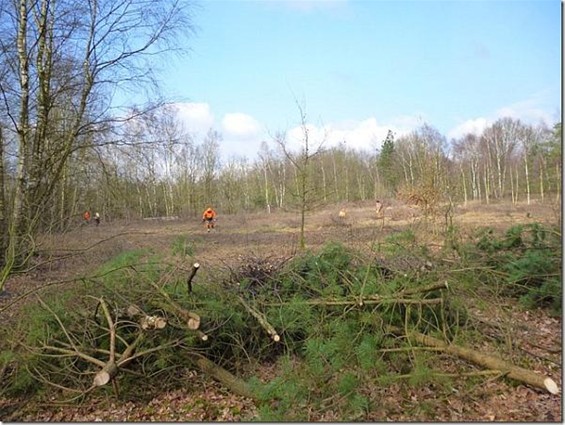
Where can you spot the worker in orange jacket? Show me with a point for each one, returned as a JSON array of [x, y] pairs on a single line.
[[209, 217]]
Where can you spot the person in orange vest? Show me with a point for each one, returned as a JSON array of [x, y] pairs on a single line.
[[86, 216], [209, 217]]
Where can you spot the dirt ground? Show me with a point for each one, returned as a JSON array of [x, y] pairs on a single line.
[[535, 334]]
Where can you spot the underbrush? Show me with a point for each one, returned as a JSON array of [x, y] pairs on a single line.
[[525, 263], [334, 321]]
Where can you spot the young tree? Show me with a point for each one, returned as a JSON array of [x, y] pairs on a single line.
[[302, 163]]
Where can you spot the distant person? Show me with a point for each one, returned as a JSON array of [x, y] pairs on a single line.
[[86, 216], [209, 217], [97, 218]]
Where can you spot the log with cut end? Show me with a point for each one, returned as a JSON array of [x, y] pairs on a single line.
[[152, 322], [108, 372], [262, 320], [231, 381], [494, 363], [144, 320], [192, 319], [193, 271]]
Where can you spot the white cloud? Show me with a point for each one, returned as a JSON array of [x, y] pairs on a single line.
[[197, 117], [531, 111], [367, 134], [237, 125], [473, 126], [242, 134]]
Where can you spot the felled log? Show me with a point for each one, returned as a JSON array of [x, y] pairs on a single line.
[[144, 320], [108, 372], [262, 320], [494, 363], [152, 322], [232, 382], [192, 319]]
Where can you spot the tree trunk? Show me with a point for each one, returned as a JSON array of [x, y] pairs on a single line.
[[3, 208], [464, 184], [527, 174]]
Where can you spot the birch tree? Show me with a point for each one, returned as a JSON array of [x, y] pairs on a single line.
[[502, 138], [62, 63]]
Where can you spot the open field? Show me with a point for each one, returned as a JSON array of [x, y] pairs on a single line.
[[534, 336]]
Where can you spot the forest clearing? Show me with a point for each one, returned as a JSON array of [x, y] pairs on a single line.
[[388, 238], [370, 322]]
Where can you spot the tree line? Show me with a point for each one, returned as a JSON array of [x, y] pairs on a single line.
[[164, 171], [68, 144]]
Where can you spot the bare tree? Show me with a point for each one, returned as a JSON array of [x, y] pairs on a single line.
[[501, 139], [62, 63], [209, 156], [302, 163]]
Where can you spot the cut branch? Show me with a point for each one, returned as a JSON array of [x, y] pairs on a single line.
[[108, 372], [261, 319], [111, 368], [144, 320], [195, 267], [494, 363], [370, 300], [192, 319], [232, 382]]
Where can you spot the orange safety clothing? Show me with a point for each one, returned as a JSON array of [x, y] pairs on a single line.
[[209, 214]]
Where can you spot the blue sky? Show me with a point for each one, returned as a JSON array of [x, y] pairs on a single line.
[[359, 68]]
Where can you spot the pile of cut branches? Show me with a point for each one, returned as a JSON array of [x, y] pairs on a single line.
[[142, 322]]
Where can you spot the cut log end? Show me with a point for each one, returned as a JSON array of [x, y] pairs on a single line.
[[551, 386], [105, 375], [196, 265], [193, 323], [276, 338], [153, 322], [101, 378]]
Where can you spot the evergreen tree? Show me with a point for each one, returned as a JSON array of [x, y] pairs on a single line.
[[387, 163]]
